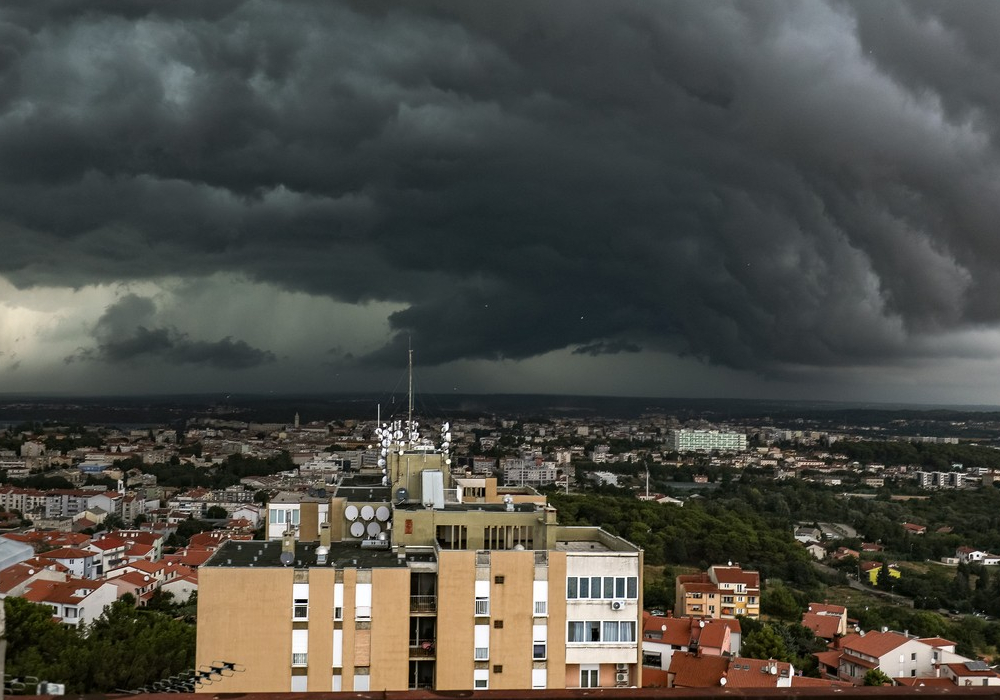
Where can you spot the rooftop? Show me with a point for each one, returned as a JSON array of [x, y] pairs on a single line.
[[257, 553]]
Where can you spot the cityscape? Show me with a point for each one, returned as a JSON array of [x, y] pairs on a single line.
[[536, 349], [550, 551]]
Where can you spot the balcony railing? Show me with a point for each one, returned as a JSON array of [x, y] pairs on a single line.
[[423, 603], [421, 650], [482, 607]]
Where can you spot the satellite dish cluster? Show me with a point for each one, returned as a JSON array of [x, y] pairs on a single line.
[[366, 521]]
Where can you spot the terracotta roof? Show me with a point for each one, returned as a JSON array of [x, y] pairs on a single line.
[[827, 609], [828, 658], [108, 542], [961, 669], [189, 557], [690, 671], [756, 673], [713, 634], [68, 553], [808, 682], [937, 642], [134, 578], [825, 626], [929, 682], [875, 644]]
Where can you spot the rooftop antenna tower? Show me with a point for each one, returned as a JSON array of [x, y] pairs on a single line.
[[409, 402]]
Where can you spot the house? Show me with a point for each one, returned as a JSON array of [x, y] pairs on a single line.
[[815, 549], [689, 670], [807, 534], [75, 601], [870, 569], [139, 586], [896, 655], [844, 552], [80, 562], [662, 636], [110, 550], [913, 529], [15, 579], [970, 673], [968, 555], [182, 586], [826, 621]]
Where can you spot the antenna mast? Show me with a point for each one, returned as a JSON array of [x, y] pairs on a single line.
[[409, 406]]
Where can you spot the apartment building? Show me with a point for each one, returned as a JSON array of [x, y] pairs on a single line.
[[707, 441], [456, 587], [724, 592]]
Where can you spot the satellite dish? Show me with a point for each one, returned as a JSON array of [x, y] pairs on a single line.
[[367, 512], [322, 551], [351, 512], [357, 529], [382, 514], [382, 536], [373, 529], [774, 670], [663, 628], [286, 558], [402, 494], [722, 681], [701, 623]]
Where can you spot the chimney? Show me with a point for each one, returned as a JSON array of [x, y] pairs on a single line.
[[288, 541], [324, 534]]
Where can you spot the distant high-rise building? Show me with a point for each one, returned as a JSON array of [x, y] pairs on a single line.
[[707, 441]]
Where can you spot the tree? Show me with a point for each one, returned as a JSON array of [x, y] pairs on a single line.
[[876, 677], [765, 643], [779, 601], [216, 513]]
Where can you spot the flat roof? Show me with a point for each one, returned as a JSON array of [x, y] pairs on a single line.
[[259, 553]]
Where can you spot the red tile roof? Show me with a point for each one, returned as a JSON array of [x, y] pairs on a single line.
[[825, 626], [690, 671], [874, 644], [756, 673], [824, 608]]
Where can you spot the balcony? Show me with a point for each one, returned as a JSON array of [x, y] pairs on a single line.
[[421, 649], [423, 603]]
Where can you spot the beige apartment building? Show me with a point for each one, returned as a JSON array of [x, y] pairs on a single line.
[[459, 586], [723, 592]]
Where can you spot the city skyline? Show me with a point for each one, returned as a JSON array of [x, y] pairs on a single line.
[[787, 200]]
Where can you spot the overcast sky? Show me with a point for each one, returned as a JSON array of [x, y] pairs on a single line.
[[749, 199]]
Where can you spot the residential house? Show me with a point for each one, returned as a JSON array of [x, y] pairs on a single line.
[[75, 601], [826, 621], [870, 570], [896, 655], [663, 636], [80, 562]]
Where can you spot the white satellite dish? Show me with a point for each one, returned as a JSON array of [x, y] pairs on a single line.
[[351, 512], [382, 514], [357, 529], [367, 512], [286, 558], [373, 529]]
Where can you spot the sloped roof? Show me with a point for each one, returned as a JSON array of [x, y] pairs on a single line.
[[875, 644], [690, 671], [825, 626], [756, 673]]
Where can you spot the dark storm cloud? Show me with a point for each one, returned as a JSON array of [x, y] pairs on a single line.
[[121, 337], [765, 185]]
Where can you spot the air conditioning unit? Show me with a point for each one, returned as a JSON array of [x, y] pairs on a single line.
[[621, 677], [621, 667], [617, 604]]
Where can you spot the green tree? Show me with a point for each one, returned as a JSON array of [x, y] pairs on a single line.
[[216, 513], [765, 643], [876, 677], [779, 601]]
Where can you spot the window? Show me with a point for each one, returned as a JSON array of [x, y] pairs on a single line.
[[300, 659], [652, 658], [571, 587], [591, 631], [497, 668], [603, 587], [482, 653], [498, 624], [538, 651], [913, 656], [589, 678], [338, 613], [300, 609], [541, 607], [482, 606], [498, 580], [610, 631]]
